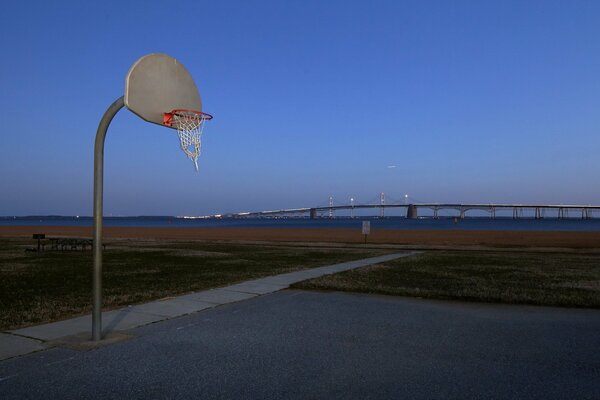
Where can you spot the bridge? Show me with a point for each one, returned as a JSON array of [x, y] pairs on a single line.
[[414, 210]]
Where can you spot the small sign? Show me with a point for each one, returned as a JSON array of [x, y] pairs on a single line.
[[366, 227], [39, 237]]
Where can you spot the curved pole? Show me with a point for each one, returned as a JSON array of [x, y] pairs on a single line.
[[98, 192]]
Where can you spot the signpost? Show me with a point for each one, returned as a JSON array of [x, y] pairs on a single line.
[[366, 229], [39, 237]]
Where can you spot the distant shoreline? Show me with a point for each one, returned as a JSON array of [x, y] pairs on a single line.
[[420, 237]]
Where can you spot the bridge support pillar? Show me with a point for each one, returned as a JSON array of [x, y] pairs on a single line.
[[313, 213], [411, 212]]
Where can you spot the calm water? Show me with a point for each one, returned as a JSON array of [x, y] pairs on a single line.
[[386, 223]]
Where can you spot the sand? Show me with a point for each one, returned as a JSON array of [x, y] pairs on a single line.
[[449, 238]]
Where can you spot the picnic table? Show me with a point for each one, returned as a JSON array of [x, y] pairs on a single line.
[[63, 243], [70, 243]]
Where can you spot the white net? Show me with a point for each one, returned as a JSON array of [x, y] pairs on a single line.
[[189, 126]]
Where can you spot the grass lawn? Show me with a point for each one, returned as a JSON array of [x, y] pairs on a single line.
[[37, 288], [552, 279]]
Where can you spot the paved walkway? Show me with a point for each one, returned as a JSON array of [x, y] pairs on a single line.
[[35, 338]]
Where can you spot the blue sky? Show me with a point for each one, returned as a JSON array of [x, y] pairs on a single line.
[[474, 101]]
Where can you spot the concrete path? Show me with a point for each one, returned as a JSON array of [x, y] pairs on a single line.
[[34, 338], [331, 345]]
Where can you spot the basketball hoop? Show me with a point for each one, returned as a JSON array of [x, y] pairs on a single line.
[[154, 84], [189, 125]]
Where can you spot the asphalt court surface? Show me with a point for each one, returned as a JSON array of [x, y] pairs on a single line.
[[300, 344]]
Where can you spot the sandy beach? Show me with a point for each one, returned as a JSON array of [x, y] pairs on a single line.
[[579, 240]]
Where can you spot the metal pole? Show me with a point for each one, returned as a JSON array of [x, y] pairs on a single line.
[[98, 192]]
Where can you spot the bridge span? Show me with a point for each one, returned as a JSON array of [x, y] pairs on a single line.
[[537, 211]]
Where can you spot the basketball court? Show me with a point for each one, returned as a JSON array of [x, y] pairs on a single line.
[[298, 345]]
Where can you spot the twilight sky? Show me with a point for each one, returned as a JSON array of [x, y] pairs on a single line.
[[471, 101]]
